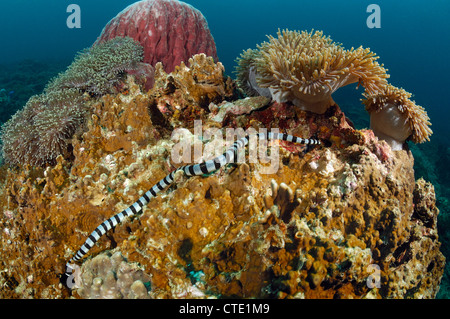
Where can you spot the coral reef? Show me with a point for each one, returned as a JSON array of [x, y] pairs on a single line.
[[430, 163], [42, 130], [344, 220], [204, 168], [170, 31], [305, 68]]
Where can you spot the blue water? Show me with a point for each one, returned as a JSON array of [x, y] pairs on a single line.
[[413, 43]]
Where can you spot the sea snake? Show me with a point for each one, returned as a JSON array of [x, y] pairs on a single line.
[[190, 170]]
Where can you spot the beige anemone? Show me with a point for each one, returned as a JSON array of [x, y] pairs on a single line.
[[306, 68], [395, 118]]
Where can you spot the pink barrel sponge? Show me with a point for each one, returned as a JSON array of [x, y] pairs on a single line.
[[170, 31]]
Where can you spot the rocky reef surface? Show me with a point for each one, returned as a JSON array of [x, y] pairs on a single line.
[[346, 219]]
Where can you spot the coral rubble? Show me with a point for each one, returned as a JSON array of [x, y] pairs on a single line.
[[346, 220]]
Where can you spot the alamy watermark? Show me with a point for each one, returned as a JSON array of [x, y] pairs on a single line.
[[374, 19], [374, 279], [71, 280], [73, 21]]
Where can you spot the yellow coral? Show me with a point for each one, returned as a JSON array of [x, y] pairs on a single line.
[[185, 94]]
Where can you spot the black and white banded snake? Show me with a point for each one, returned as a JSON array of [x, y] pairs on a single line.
[[205, 167]]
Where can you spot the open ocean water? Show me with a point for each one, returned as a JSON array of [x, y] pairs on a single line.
[[412, 42]]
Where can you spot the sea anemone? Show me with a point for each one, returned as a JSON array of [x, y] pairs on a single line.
[[395, 118], [305, 68], [98, 70], [246, 74], [41, 131]]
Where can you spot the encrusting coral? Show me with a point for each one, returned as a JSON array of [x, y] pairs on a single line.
[[395, 118], [306, 68], [180, 97], [318, 227]]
